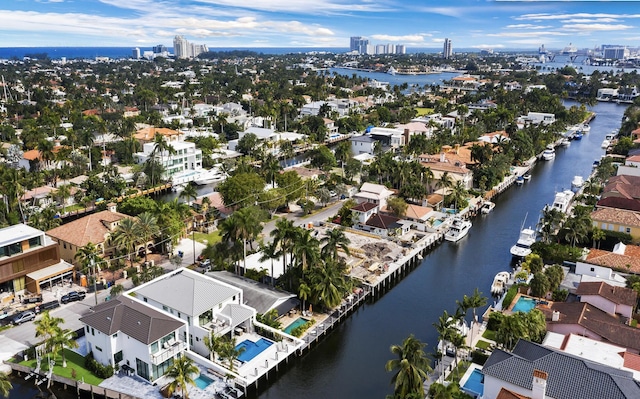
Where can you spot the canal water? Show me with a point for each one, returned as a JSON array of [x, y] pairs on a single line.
[[349, 363]]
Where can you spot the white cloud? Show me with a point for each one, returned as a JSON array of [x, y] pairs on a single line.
[[302, 6], [488, 46], [547, 16], [589, 20], [527, 26], [585, 28], [405, 38], [525, 34]]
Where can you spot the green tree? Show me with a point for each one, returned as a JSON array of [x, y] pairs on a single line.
[[333, 240], [181, 371], [5, 385], [63, 338], [397, 205], [148, 229], [47, 326], [410, 367], [241, 189], [126, 237], [212, 343], [328, 284]]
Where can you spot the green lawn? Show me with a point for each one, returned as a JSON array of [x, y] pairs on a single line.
[[424, 111], [74, 362], [458, 372], [210, 238], [483, 344], [490, 335]]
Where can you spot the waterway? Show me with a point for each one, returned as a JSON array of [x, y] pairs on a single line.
[[350, 362]]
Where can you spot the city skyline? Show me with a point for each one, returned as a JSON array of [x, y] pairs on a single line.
[[326, 23]]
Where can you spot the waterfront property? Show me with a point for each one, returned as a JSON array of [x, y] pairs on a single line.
[[524, 304]]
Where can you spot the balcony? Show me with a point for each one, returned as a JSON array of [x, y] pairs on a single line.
[[169, 350]]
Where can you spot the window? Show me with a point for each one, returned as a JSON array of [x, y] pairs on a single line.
[[64, 245], [117, 358], [93, 332], [144, 298], [34, 242], [99, 348], [593, 269], [154, 347]]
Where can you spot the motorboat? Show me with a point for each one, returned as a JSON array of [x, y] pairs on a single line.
[[577, 182], [605, 143], [520, 180], [565, 142], [549, 153], [578, 135], [499, 285], [562, 200], [458, 230], [608, 139], [522, 247], [527, 176], [213, 175], [585, 128], [487, 207]]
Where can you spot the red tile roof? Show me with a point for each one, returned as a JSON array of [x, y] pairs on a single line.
[[618, 295], [93, 228], [630, 258]]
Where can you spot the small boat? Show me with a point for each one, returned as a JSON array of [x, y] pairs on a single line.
[[499, 285], [519, 180], [585, 128], [527, 176], [605, 143], [487, 207], [549, 153], [577, 182], [458, 230], [578, 135], [608, 139], [562, 200], [565, 142]]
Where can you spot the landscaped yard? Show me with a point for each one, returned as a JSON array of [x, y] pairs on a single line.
[[458, 372], [74, 362], [490, 335], [483, 344], [424, 111], [210, 238]]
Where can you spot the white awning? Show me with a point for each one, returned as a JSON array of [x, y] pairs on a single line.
[[51, 271]]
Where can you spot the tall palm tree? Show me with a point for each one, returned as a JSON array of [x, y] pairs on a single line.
[[63, 338], [327, 284], [270, 252], [47, 326], [445, 183], [62, 193], [597, 235], [160, 147], [212, 343], [333, 240], [477, 300], [148, 229], [182, 370], [304, 292], [227, 350], [270, 168], [445, 328], [189, 193], [243, 225], [306, 249], [126, 237], [410, 367], [5, 385]]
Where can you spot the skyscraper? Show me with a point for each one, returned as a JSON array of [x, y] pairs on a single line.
[[182, 48], [447, 50], [359, 44], [135, 53]]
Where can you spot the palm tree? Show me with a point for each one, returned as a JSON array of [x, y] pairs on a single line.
[[411, 367], [160, 146], [445, 183], [47, 327], [62, 193], [212, 343], [181, 371], [243, 225], [227, 350], [5, 385], [283, 236], [477, 300], [304, 291], [445, 329], [126, 237], [440, 391], [334, 239], [270, 252], [189, 193], [306, 249], [63, 338], [328, 284], [116, 290], [597, 235], [148, 229], [270, 168]]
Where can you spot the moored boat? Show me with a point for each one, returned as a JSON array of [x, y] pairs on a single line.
[[458, 230], [577, 182], [522, 247], [527, 176], [549, 153], [565, 142], [519, 180], [562, 200], [487, 207], [499, 285]]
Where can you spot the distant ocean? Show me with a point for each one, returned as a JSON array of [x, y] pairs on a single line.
[[126, 52]]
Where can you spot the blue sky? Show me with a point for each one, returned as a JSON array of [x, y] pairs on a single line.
[[319, 23]]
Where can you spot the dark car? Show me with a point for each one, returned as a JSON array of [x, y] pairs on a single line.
[[73, 296], [47, 306], [22, 317]]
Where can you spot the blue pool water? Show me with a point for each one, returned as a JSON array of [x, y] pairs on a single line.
[[297, 323], [524, 304], [252, 349], [202, 381], [475, 383], [437, 223]]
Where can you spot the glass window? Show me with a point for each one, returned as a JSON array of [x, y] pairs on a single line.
[[117, 358], [154, 347], [34, 242]]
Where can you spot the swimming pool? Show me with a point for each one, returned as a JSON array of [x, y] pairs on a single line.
[[475, 383], [297, 323], [524, 305], [252, 349], [202, 381], [437, 223]]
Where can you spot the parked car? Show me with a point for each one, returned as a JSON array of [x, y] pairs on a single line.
[[206, 265], [23, 317], [47, 306], [73, 296]]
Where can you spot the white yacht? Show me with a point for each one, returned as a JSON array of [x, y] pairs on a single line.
[[549, 153], [499, 285], [522, 247], [459, 228], [607, 140], [562, 200], [487, 207], [212, 175], [577, 182]]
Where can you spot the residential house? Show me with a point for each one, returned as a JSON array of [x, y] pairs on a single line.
[[131, 335], [332, 129], [362, 144], [450, 163], [148, 134], [130, 112], [364, 211], [591, 272], [206, 304], [95, 228], [374, 193], [419, 215], [385, 225], [534, 371], [482, 105], [388, 137], [511, 86], [185, 157], [536, 118], [618, 220], [494, 137], [313, 108], [609, 298], [588, 320], [29, 261], [623, 258], [631, 165]]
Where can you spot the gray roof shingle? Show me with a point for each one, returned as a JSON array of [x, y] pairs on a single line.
[[570, 377]]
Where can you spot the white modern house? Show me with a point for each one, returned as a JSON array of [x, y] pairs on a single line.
[[135, 337], [536, 118], [186, 157], [374, 193], [205, 304], [363, 144]]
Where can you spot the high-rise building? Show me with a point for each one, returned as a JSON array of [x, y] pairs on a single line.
[[135, 53], [401, 49], [182, 48], [359, 44], [160, 48], [447, 50]]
